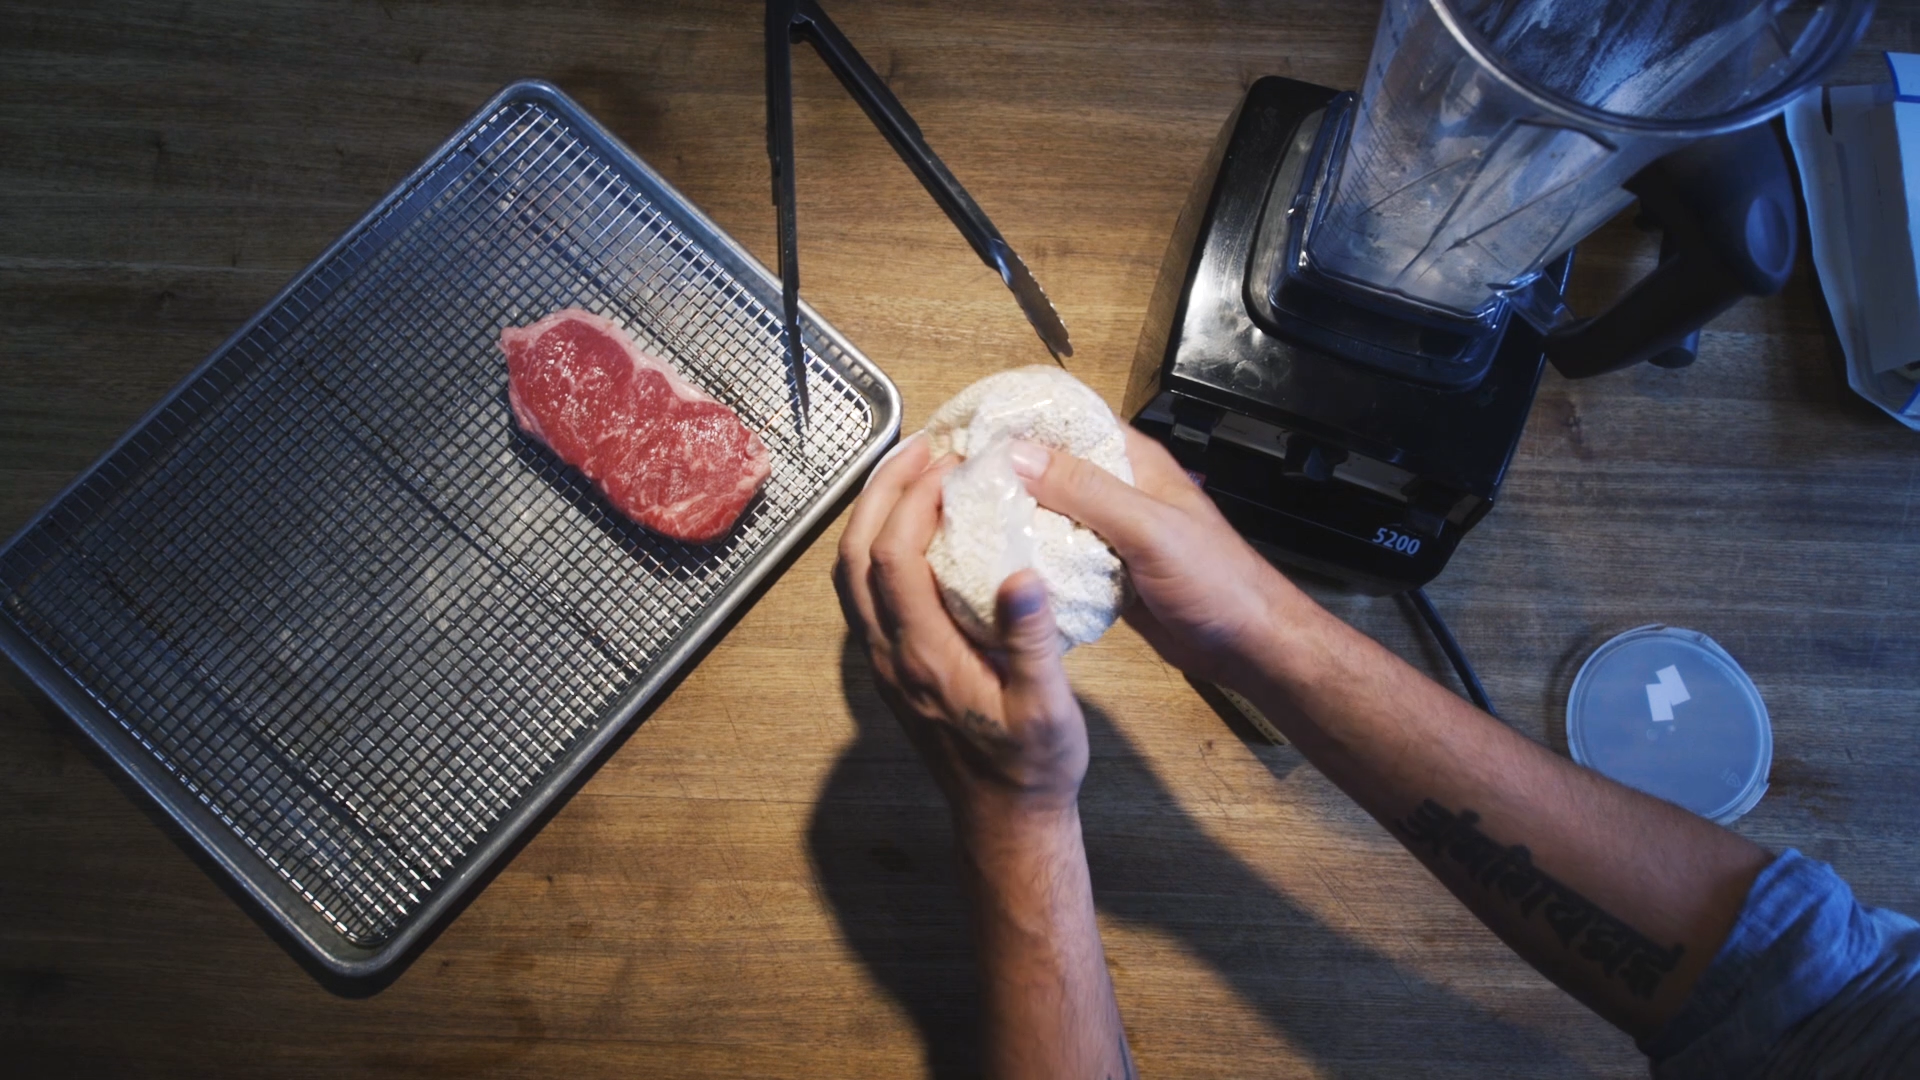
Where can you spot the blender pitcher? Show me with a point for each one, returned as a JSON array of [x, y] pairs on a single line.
[[1358, 306], [1492, 135]]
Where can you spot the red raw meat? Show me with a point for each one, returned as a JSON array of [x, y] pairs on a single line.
[[666, 455]]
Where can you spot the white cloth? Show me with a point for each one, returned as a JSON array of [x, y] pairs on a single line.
[[990, 527]]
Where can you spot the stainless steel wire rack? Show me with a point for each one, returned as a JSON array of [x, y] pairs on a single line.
[[347, 625]]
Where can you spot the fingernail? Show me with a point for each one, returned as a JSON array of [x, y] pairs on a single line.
[[1027, 600], [1029, 459], [903, 444], [889, 456]]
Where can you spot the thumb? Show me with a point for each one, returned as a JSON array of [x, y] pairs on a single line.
[[1036, 681], [1123, 515]]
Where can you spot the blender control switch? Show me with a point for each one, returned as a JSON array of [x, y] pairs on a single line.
[[1311, 460], [1193, 424]]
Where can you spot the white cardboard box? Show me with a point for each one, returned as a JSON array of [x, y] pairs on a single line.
[[1858, 153]]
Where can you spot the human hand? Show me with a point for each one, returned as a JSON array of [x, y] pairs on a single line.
[[1208, 601], [1002, 734]]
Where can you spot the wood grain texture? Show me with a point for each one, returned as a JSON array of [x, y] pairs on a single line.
[[759, 883]]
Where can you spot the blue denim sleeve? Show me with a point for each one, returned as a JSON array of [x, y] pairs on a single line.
[[1809, 983]]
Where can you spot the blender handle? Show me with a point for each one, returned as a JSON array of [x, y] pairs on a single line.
[[1726, 208]]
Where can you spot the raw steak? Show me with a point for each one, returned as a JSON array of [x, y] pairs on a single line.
[[664, 453]]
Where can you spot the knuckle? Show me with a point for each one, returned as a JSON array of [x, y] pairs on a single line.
[[884, 562], [1080, 478], [892, 562], [855, 618], [1157, 526], [885, 671], [913, 668], [847, 580]]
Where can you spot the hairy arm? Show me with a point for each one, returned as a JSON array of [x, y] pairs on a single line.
[[1048, 1005], [1005, 739], [1620, 898]]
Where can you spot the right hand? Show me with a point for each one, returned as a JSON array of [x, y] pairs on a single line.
[[1208, 601], [1005, 740]]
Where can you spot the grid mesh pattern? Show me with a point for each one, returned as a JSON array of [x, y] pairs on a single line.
[[333, 590]]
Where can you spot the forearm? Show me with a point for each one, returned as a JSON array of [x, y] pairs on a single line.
[[1047, 1001], [1620, 898]]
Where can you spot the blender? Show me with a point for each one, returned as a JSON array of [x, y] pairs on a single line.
[[1351, 324]]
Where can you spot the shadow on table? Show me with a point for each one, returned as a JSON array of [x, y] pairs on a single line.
[[882, 848]]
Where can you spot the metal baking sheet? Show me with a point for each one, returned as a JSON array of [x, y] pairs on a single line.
[[345, 623]]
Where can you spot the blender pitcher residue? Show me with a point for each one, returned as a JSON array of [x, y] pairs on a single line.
[[1492, 136]]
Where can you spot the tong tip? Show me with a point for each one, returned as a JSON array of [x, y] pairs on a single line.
[[797, 366], [1033, 301]]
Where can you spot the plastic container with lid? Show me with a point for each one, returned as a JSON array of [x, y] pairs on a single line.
[[1669, 712]]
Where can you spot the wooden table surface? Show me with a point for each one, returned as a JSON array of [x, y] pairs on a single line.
[[759, 883]]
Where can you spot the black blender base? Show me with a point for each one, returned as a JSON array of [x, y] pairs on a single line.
[[1365, 543], [1324, 462]]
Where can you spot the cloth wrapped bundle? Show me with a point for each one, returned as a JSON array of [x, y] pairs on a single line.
[[990, 527]]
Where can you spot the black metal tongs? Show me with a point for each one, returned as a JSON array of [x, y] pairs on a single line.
[[792, 20]]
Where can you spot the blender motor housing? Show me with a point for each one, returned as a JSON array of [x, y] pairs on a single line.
[[1338, 436], [1358, 433]]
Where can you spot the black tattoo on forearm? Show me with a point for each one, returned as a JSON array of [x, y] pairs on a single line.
[[1508, 872], [989, 734]]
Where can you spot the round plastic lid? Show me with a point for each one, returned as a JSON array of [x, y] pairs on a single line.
[[1667, 711]]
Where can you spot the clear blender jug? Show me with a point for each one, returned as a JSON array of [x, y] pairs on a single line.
[[1492, 135], [1364, 292]]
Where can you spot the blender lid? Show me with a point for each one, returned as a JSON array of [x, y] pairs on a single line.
[[1667, 711]]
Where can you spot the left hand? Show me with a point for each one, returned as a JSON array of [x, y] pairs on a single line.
[[1002, 733]]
